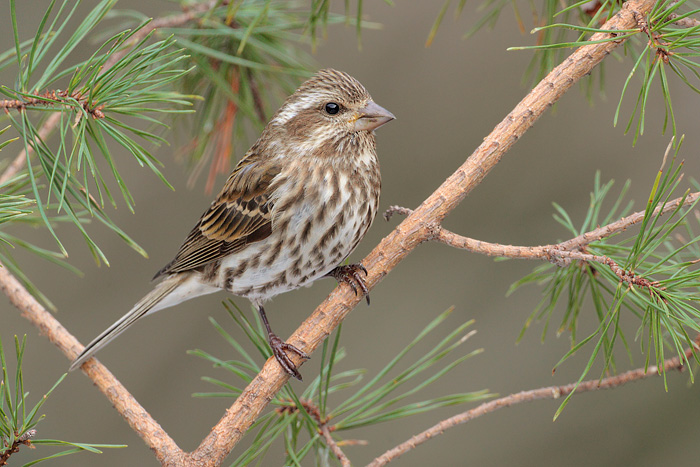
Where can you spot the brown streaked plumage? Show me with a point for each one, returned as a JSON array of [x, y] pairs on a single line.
[[291, 211]]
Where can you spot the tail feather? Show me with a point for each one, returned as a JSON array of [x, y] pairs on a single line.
[[146, 305]]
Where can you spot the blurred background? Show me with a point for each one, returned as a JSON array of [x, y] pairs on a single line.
[[446, 98]]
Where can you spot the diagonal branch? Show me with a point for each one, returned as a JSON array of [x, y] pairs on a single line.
[[413, 231], [136, 416], [552, 392]]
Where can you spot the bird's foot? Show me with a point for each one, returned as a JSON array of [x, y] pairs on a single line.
[[350, 274], [280, 349]]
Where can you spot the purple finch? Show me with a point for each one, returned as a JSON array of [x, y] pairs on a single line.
[[291, 211]]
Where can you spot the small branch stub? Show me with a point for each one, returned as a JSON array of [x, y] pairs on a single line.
[[25, 440], [323, 427]]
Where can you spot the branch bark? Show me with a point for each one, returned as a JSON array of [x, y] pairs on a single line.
[[26, 440], [413, 231]]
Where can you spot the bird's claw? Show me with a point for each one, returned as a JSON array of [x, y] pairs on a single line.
[[280, 349], [350, 274]]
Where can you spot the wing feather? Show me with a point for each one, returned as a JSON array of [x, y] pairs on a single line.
[[239, 215]]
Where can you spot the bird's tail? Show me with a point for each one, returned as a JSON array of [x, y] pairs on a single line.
[[148, 304]]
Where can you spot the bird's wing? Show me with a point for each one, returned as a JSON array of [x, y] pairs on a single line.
[[238, 216]]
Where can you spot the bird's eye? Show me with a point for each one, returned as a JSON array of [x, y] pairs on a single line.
[[332, 108]]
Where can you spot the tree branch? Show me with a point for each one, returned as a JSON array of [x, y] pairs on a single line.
[[551, 392], [135, 415], [562, 253], [496, 249], [53, 120], [555, 254], [395, 247], [326, 432]]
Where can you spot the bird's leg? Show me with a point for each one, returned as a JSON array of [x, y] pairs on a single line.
[[280, 348], [350, 274]]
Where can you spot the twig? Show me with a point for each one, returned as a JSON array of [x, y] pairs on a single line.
[[555, 254], [52, 121], [326, 432], [495, 249], [49, 98], [560, 254], [551, 392], [25, 439], [190, 14], [394, 209], [391, 250], [323, 427], [625, 222]]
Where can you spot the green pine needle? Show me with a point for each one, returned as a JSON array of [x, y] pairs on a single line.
[[386, 397], [18, 421], [664, 252]]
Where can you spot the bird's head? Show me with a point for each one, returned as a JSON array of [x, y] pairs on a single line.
[[331, 103]]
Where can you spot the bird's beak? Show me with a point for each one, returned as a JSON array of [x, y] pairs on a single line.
[[371, 117]]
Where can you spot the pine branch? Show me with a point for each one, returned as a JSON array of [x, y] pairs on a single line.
[[135, 415], [652, 275], [551, 392], [560, 254], [25, 439], [18, 418], [52, 122], [344, 461], [53, 98]]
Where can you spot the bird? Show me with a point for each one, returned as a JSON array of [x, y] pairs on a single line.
[[291, 211]]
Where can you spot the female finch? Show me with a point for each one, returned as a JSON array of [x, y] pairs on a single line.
[[291, 211]]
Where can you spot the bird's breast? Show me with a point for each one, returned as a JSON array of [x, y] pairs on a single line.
[[316, 225]]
